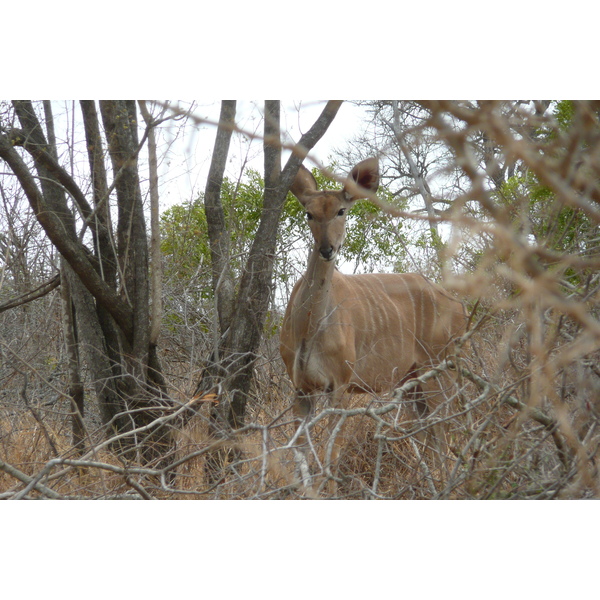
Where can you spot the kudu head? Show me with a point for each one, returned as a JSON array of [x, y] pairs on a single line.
[[326, 209]]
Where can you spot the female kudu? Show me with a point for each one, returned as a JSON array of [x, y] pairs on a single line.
[[357, 333]]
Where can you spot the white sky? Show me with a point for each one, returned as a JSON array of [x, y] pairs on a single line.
[[183, 174]]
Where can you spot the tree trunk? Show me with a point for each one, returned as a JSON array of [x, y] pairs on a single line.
[[76, 391], [218, 235], [154, 368], [108, 290], [233, 370]]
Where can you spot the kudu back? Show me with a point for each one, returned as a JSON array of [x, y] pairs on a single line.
[[358, 333]]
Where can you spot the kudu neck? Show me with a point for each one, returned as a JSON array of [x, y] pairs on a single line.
[[316, 292]]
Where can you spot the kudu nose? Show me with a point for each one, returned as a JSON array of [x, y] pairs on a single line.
[[327, 253]]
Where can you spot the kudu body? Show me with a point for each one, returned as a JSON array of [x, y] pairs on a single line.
[[363, 333]]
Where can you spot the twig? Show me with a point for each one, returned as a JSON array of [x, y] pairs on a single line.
[[424, 468], [38, 292], [550, 424], [31, 482]]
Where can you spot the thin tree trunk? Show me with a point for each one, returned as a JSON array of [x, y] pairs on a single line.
[[104, 243], [240, 342], [120, 125], [154, 367], [218, 235], [141, 385], [252, 302], [75, 385], [156, 263]]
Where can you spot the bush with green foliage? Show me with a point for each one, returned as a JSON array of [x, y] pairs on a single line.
[[373, 240]]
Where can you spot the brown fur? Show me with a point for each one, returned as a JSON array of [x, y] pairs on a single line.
[[359, 332]]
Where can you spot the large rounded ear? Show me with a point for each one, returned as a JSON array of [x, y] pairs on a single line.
[[364, 178], [304, 184]]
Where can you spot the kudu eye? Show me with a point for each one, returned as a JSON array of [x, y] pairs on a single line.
[[309, 217], [341, 212]]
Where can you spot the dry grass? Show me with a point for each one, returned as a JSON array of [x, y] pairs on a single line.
[[495, 448], [31, 448]]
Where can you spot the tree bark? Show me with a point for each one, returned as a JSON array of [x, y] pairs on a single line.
[[108, 290], [218, 235], [75, 384], [239, 346], [76, 390], [105, 250], [120, 125], [232, 367], [155, 370]]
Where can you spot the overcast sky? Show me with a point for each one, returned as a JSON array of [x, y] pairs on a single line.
[[183, 174]]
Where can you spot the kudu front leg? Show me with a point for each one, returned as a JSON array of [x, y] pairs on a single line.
[[303, 410], [324, 449]]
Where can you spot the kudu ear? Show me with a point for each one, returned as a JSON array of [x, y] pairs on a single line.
[[363, 178], [303, 184]]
